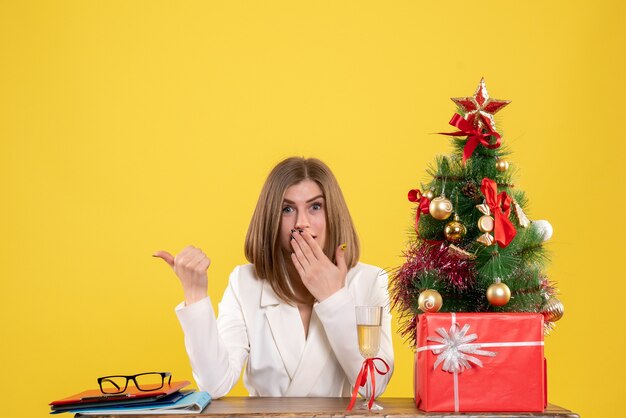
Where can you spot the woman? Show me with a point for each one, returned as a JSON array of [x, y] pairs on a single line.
[[290, 313]]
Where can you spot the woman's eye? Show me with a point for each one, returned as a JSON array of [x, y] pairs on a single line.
[[316, 206], [287, 209]]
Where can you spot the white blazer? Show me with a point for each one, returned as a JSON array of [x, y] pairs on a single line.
[[253, 324]]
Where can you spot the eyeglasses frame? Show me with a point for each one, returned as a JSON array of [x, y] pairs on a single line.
[[133, 378]]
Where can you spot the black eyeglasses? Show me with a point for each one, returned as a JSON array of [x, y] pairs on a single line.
[[143, 381]]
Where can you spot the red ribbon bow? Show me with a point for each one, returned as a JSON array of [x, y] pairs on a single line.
[[500, 205], [422, 201], [361, 380], [474, 136]]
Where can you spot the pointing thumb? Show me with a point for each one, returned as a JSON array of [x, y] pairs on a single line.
[[169, 258]]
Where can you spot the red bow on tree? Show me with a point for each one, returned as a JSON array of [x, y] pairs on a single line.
[[500, 205], [474, 135], [416, 196]]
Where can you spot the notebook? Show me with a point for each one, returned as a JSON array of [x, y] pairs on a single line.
[[188, 403], [132, 395]]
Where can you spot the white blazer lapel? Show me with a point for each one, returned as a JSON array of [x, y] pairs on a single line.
[[313, 360], [286, 326]]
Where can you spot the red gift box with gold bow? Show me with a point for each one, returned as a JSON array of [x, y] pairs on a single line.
[[480, 362]]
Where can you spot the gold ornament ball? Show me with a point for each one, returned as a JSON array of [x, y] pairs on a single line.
[[502, 165], [428, 194], [455, 230], [429, 301], [498, 294], [553, 310], [440, 208]]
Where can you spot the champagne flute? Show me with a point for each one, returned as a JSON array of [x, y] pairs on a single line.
[[368, 324]]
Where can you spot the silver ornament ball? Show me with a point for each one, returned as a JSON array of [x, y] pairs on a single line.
[[544, 228]]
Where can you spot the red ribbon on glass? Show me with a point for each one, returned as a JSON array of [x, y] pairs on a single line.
[[416, 196], [500, 205], [361, 380], [474, 136]]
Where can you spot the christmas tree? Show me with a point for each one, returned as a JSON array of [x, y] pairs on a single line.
[[472, 248]]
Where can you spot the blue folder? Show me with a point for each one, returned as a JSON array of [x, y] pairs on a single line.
[[190, 403]]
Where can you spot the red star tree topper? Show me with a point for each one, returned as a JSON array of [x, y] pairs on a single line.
[[480, 108]]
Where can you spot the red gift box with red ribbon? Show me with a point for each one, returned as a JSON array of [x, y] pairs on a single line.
[[480, 362]]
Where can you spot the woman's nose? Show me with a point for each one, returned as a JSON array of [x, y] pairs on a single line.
[[302, 221]]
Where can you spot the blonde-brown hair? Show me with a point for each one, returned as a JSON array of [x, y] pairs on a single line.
[[262, 245]]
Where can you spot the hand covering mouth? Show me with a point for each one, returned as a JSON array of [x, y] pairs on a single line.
[[301, 231]]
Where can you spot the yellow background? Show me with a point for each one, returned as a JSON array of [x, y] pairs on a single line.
[[128, 127]]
